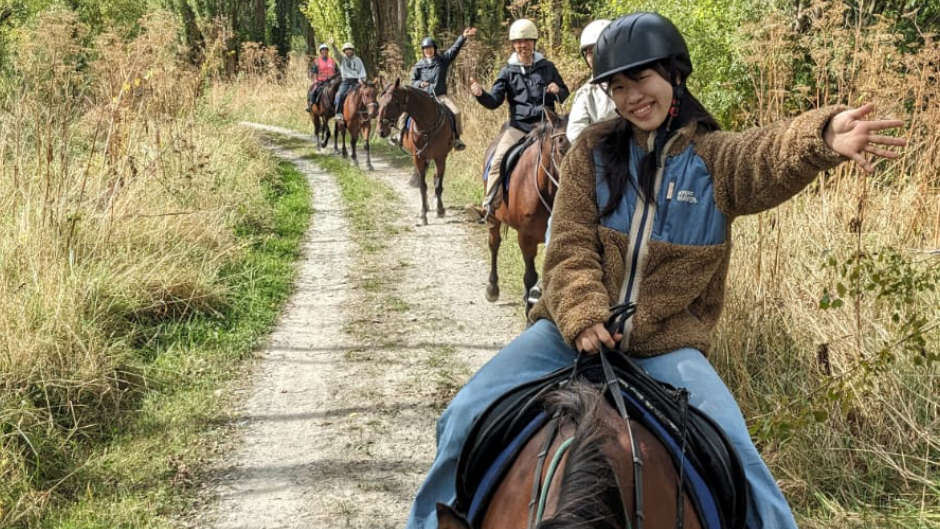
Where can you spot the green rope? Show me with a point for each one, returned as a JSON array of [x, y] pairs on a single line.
[[548, 477]]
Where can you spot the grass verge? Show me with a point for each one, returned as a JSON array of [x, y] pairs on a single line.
[[148, 470]]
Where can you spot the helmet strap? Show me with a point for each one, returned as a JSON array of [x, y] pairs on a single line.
[[678, 93]]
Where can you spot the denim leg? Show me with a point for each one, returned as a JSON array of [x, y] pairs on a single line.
[[536, 352], [340, 96], [690, 369], [548, 229]]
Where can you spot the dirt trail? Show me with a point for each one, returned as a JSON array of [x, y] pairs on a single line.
[[338, 426]]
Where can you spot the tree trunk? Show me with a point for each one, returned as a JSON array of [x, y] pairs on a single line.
[[259, 21], [194, 38], [280, 33]]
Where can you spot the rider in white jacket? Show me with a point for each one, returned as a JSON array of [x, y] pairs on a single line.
[[590, 104]]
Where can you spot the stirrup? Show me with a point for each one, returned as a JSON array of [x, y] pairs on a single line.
[[534, 294]]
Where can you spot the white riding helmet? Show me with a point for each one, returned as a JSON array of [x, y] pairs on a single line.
[[523, 29], [348, 46], [592, 31], [323, 47]]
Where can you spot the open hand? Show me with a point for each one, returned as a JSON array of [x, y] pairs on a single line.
[[475, 88], [469, 32], [589, 340], [850, 135]]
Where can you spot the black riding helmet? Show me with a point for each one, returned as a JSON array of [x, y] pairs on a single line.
[[428, 42], [637, 39]]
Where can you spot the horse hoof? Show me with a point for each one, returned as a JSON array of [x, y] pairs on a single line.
[[440, 213], [369, 167], [415, 180], [492, 293]]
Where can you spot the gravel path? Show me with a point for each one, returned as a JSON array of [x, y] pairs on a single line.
[[337, 429]]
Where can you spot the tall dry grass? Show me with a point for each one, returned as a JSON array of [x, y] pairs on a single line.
[[118, 197], [844, 400]]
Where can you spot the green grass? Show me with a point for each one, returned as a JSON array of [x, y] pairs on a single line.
[[146, 471], [369, 202]]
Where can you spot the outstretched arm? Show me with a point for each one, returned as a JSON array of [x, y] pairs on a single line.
[[760, 168], [452, 52]]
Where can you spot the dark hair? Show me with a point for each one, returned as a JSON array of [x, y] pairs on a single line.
[[616, 145]]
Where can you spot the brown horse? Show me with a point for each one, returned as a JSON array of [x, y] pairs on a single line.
[[532, 187], [358, 110], [322, 110], [593, 485], [430, 135]]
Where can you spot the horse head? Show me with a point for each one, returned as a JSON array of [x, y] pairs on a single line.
[[391, 105], [553, 130], [368, 98]]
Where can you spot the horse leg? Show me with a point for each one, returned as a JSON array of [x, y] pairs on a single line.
[[353, 140], [439, 165], [325, 138], [492, 290], [421, 169], [365, 141], [335, 137], [529, 245]]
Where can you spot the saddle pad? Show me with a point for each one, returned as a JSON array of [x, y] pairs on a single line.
[[509, 161], [708, 452]]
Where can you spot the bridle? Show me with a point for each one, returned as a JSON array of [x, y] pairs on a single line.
[[425, 136], [553, 163]]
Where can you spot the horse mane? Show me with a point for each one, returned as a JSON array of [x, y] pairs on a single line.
[[546, 127], [590, 493], [421, 93]]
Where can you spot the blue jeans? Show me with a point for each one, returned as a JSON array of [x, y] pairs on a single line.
[[538, 351], [344, 87]]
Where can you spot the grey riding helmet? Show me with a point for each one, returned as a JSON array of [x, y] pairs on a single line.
[[428, 42], [637, 39]]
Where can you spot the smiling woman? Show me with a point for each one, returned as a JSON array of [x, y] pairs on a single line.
[[643, 216]]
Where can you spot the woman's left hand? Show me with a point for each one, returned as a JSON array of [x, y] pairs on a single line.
[[552, 88], [850, 134]]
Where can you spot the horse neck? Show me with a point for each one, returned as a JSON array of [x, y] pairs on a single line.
[[355, 99], [547, 169], [422, 109]]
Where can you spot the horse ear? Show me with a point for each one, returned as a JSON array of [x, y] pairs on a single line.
[[397, 82], [448, 518]]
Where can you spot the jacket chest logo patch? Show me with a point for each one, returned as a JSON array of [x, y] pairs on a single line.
[[686, 196]]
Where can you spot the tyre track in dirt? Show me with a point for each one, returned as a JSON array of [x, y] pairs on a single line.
[[338, 428]]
